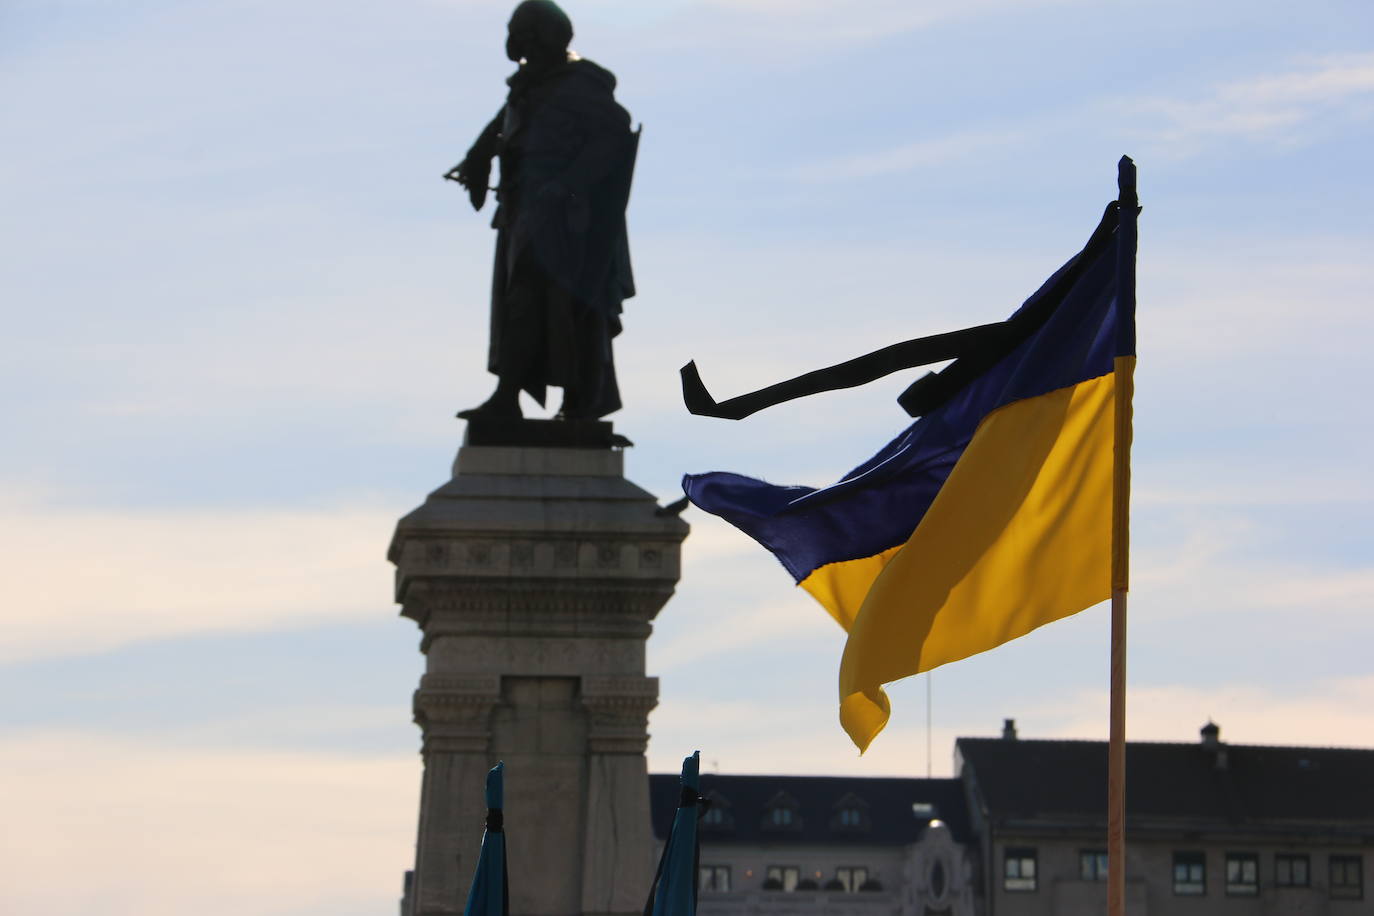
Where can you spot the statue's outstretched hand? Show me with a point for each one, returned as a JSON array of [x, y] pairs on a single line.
[[472, 177]]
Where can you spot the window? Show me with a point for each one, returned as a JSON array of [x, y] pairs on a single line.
[[1018, 870], [1242, 874], [1092, 864], [717, 814], [851, 877], [1347, 877], [781, 878], [938, 882], [1291, 871], [713, 878], [782, 813], [1190, 874], [849, 814]]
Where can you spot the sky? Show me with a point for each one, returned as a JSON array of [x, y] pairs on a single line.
[[241, 309]]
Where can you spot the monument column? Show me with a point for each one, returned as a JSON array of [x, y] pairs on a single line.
[[534, 574]]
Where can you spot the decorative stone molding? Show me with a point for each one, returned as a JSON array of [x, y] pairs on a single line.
[[618, 710], [594, 608], [454, 713], [939, 876], [545, 655], [462, 684], [602, 685], [625, 555], [602, 597]]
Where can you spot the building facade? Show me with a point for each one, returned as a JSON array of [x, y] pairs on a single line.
[[1212, 828], [829, 845]]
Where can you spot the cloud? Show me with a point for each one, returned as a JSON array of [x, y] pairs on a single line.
[[294, 725], [746, 623], [1256, 299], [924, 153], [1242, 487], [748, 736], [825, 24], [101, 824], [733, 596], [1270, 107], [771, 33], [1218, 561], [1330, 712], [91, 580], [795, 738], [1330, 79]]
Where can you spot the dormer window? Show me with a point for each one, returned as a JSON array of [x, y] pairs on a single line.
[[849, 815], [782, 813], [717, 815]]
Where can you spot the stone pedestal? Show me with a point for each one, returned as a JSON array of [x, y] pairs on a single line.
[[534, 574]]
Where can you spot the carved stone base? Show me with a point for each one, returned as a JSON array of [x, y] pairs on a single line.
[[534, 575]]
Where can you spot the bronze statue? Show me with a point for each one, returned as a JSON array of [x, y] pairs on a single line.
[[562, 255]]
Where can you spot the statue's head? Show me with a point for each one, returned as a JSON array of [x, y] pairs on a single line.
[[539, 31]]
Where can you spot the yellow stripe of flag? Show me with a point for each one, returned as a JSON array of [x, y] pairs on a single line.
[[1020, 535]]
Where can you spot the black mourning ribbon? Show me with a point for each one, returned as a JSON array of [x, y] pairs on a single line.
[[496, 820], [974, 351]]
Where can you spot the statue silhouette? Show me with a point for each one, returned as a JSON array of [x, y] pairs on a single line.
[[562, 270]]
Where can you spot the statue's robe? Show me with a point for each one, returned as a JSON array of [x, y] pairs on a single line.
[[562, 253]]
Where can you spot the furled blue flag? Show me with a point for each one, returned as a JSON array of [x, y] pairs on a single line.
[[1002, 508], [675, 886], [490, 895]]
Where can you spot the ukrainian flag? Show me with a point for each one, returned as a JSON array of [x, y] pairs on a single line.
[[1001, 509]]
